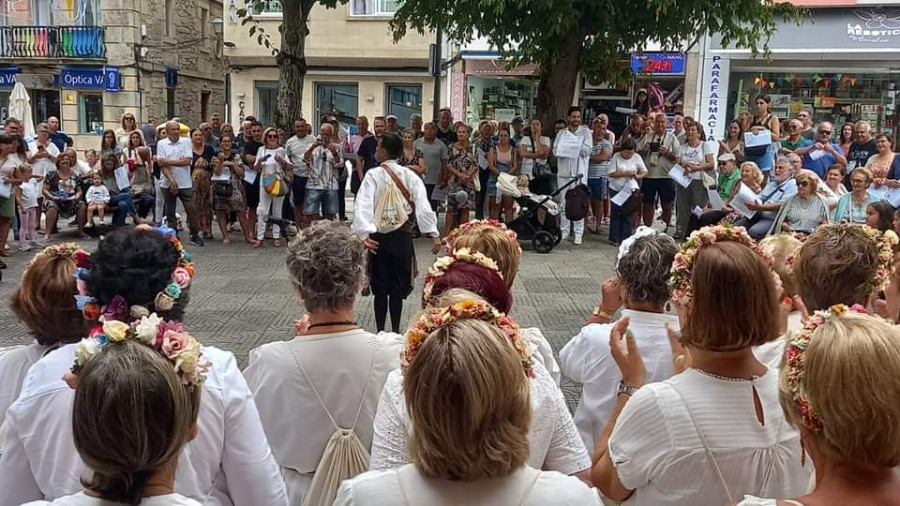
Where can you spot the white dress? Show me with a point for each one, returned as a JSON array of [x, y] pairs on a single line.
[[406, 486], [750, 500], [14, 364], [657, 452], [555, 444], [228, 463], [586, 359], [345, 368], [80, 499]]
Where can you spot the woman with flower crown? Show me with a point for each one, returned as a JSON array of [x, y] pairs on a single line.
[[714, 433], [132, 414], [44, 302], [317, 393], [840, 380], [137, 283], [553, 439], [467, 383]]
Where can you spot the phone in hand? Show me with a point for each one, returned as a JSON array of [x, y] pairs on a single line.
[[654, 147], [266, 157]]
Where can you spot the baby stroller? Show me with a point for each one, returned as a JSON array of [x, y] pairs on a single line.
[[527, 225]]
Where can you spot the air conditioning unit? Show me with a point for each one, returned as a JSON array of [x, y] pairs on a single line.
[[594, 83]]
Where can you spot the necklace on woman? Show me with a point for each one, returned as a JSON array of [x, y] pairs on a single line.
[[757, 402], [725, 378]]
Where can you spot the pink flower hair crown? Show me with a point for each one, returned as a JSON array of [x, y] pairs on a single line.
[[680, 279], [440, 266], [475, 224], [118, 308], [166, 337], [793, 369], [436, 318]]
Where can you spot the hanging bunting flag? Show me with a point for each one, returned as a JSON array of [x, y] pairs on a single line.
[[827, 82], [816, 78], [772, 85], [838, 77], [852, 81]]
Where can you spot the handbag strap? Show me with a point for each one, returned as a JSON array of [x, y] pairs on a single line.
[[709, 454], [400, 185]]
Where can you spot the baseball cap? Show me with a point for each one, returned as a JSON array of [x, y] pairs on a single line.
[[517, 120], [727, 157], [390, 116]]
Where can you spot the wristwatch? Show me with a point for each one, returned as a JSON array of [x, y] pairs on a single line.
[[626, 389]]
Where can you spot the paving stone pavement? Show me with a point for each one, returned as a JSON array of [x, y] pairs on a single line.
[[242, 298]]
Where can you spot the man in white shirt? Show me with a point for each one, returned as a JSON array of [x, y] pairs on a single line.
[[572, 167], [294, 148], [174, 156], [323, 157], [392, 253]]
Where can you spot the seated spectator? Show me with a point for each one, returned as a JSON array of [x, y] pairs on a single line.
[[138, 275], [803, 212], [554, 440], [833, 187], [715, 432], [468, 393], [851, 207], [317, 393], [641, 286], [120, 199], [839, 385], [62, 198], [45, 303], [773, 194], [147, 410]]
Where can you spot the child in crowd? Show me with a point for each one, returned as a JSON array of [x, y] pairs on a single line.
[[97, 198], [27, 195]]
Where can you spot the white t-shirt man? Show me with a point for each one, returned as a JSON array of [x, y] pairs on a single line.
[[168, 150], [295, 147], [43, 166]]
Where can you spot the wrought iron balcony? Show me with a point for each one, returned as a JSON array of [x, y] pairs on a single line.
[[52, 42]]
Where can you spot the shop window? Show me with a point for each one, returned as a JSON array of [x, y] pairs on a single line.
[[403, 100], [266, 102], [44, 103], [204, 105], [338, 99], [170, 103], [90, 113], [268, 7], [374, 7]]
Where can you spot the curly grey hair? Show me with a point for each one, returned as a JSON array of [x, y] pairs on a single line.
[[327, 264], [644, 271]]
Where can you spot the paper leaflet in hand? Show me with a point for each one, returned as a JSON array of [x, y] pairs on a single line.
[[5, 190], [697, 211], [625, 193], [715, 200], [569, 145], [122, 180], [816, 154], [762, 139], [680, 176], [878, 192], [892, 196], [249, 175], [744, 196]]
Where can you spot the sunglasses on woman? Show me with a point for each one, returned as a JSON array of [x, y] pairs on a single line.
[[802, 184]]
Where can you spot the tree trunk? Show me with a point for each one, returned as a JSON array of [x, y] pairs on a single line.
[[291, 61], [557, 82]]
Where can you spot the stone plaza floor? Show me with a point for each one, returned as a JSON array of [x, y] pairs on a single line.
[[242, 298]]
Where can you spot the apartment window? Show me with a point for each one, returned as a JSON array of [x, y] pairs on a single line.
[[204, 25], [266, 101], [403, 100], [170, 18], [204, 105], [338, 99], [170, 103], [374, 7], [268, 7], [90, 113]]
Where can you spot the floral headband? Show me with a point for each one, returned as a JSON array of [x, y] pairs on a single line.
[[441, 265], [118, 308], [473, 224], [886, 242], [436, 318], [166, 337], [680, 280], [794, 361]]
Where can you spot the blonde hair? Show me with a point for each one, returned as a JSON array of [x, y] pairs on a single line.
[[469, 404], [130, 418], [781, 247], [754, 169], [851, 377], [735, 305], [494, 243], [45, 300], [811, 178]]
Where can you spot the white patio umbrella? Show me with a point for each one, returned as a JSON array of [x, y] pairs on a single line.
[[20, 108]]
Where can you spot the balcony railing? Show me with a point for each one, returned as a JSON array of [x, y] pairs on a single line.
[[52, 42]]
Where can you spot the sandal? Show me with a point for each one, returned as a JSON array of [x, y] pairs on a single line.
[[257, 244], [277, 243]]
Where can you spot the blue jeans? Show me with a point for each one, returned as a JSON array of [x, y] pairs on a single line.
[[126, 207], [619, 221], [757, 226], [326, 200]]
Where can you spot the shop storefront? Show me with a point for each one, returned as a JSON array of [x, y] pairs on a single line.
[[488, 89], [841, 65]]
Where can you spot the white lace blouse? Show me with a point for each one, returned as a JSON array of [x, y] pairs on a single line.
[[555, 443]]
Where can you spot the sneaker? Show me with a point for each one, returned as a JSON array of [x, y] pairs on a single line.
[[36, 243], [236, 227], [564, 238], [577, 240], [196, 240], [24, 246]]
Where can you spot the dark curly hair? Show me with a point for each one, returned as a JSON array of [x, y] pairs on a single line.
[[136, 264]]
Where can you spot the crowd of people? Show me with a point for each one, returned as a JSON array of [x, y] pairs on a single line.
[[698, 393]]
